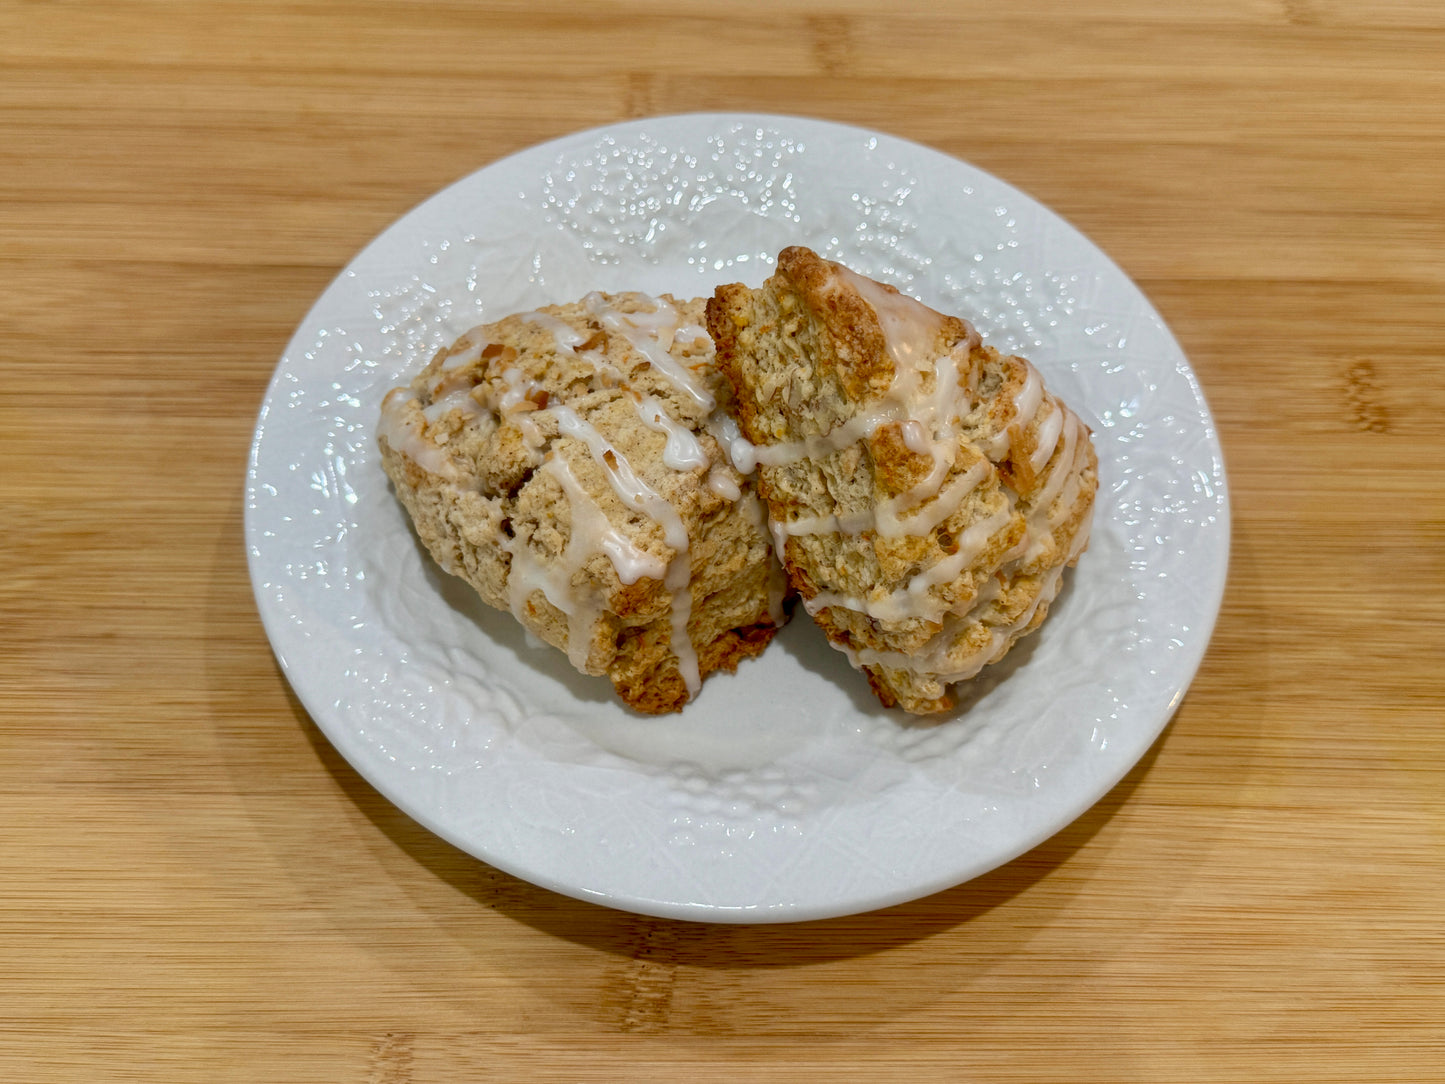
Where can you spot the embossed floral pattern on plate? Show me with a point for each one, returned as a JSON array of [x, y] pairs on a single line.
[[784, 792]]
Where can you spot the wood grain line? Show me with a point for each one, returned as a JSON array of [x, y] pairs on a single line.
[[1363, 393], [638, 99], [391, 1058], [1301, 13], [645, 986], [832, 43]]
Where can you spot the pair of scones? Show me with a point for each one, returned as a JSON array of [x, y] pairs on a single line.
[[625, 474]]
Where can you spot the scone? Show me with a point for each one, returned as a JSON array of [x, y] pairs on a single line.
[[925, 492], [561, 462]]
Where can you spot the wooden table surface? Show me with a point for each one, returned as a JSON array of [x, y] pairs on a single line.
[[194, 886]]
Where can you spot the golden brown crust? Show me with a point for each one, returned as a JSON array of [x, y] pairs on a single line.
[[897, 468], [832, 339], [729, 313], [857, 358]]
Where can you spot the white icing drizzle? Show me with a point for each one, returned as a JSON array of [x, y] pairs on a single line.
[[950, 499], [928, 419], [751, 506], [595, 532], [743, 455], [910, 328], [471, 353], [606, 375], [780, 539], [651, 335], [721, 483], [1055, 500], [458, 399], [785, 453], [849, 523], [1029, 398], [564, 334], [933, 659], [1050, 429], [915, 438], [1065, 471], [452, 376], [405, 433], [568, 338], [739, 452], [682, 452], [519, 390], [1066, 468], [887, 518], [640, 497], [1026, 404], [529, 573], [690, 333], [915, 599], [517, 405]]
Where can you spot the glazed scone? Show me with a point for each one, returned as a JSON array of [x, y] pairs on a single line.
[[561, 462], [925, 492]]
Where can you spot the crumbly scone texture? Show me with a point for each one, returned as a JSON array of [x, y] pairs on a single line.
[[562, 463], [925, 492]]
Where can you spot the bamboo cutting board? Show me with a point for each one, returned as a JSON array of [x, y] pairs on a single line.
[[194, 885]]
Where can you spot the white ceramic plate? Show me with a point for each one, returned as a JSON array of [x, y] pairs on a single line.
[[784, 792]]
